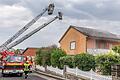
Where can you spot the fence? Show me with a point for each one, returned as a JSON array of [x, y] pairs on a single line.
[[56, 70], [40, 68], [88, 74]]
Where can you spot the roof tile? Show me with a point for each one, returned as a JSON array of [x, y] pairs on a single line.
[[97, 33]]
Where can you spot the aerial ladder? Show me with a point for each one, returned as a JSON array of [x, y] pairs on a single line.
[[35, 31], [50, 10], [7, 46]]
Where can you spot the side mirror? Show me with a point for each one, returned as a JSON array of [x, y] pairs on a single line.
[[50, 9], [60, 15]]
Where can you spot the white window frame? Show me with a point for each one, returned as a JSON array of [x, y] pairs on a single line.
[[72, 45]]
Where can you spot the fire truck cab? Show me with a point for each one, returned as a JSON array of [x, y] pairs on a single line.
[[13, 64]]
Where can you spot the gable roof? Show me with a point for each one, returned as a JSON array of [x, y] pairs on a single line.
[[94, 33]]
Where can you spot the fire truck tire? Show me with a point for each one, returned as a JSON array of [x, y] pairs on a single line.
[[3, 75], [21, 74], [2, 71]]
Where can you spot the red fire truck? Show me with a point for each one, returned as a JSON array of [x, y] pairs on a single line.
[[11, 63]]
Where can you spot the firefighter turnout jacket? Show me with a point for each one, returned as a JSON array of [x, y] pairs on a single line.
[[26, 67]]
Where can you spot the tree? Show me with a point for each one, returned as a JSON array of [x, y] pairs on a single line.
[[85, 61], [55, 56], [53, 46], [17, 51], [43, 57], [38, 58]]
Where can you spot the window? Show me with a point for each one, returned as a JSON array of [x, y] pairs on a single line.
[[101, 44], [15, 59], [97, 44], [72, 45]]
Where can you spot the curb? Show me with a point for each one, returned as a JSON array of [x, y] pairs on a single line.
[[49, 75]]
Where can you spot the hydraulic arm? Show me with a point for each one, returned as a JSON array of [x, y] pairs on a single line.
[[35, 31], [50, 9]]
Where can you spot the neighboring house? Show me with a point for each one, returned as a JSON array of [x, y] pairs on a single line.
[[79, 39], [30, 52]]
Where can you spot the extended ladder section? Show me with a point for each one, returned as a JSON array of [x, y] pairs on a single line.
[[50, 10], [35, 31]]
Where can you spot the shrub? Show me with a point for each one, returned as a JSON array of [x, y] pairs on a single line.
[[116, 49], [68, 60], [55, 56], [17, 51], [38, 57], [105, 61], [43, 57], [85, 61]]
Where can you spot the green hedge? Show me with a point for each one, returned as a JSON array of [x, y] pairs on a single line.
[[43, 57], [85, 61], [104, 62], [55, 56], [68, 60], [116, 49]]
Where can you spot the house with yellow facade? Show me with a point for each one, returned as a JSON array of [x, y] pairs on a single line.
[[80, 39]]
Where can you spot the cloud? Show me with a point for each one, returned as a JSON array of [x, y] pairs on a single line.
[[99, 14], [102, 9], [12, 16], [52, 33], [9, 2]]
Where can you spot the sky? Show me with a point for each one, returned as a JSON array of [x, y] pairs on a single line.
[[98, 14]]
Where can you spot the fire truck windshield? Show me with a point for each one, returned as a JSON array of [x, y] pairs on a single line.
[[15, 59]]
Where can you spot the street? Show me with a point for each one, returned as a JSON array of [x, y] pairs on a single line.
[[32, 76]]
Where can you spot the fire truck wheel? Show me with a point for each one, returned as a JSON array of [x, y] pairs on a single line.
[[3, 75], [21, 74]]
